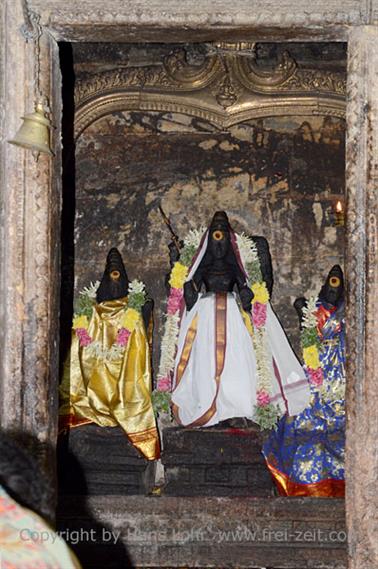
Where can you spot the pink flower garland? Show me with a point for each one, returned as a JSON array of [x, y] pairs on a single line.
[[174, 300], [84, 337], [315, 376], [123, 336], [258, 314], [164, 384], [263, 398]]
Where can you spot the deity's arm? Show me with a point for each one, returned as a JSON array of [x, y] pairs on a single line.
[[174, 252], [192, 288], [147, 309], [265, 261], [245, 293], [299, 305], [174, 256]]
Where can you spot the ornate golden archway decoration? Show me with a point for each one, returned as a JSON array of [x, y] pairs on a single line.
[[223, 89]]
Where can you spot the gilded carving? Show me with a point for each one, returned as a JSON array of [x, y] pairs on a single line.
[[188, 75], [227, 93], [128, 78], [256, 79], [217, 84], [177, 74]]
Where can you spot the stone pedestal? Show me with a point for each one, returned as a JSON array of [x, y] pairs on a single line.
[[96, 460], [215, 462]]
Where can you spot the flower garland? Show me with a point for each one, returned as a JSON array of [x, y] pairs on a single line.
[[162, 394], [137, 297], [266, 413], [310, 344], [311, 347]]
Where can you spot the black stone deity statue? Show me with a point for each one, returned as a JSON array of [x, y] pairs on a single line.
[[331, 293], [115, 284], [219, 270], [216, 367], [306, 453]]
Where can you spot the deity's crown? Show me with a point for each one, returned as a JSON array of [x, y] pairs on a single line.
[[220, 219]]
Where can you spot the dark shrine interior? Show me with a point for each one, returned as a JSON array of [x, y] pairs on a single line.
[[276, 175]]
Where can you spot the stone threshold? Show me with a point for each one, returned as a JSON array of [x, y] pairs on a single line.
[[153, 531]]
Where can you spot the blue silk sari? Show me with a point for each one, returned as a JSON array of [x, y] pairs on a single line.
[[306, 453]]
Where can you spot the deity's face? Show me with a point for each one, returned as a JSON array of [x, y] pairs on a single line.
[[333, 289], [219, 240], [114, 283]]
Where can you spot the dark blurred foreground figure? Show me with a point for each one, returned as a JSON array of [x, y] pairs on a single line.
[[107, 378], [306, 453], [26, 540]]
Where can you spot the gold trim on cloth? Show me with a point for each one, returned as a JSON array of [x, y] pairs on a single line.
[[187, 349], [184, 359], [323, 489], [220, 352], [112, 391]]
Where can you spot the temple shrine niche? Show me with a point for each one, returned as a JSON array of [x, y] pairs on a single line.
[[256, 130]]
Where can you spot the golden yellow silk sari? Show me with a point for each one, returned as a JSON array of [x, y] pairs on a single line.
[[111, 385]]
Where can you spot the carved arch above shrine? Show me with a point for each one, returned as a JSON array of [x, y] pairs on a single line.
[[222, 88]]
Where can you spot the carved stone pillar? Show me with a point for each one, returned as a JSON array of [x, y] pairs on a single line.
[[362, 272], [30, 218]]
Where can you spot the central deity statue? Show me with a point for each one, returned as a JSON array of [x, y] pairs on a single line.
[[233, 358]]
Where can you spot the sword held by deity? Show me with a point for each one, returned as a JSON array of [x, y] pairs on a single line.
[[175, 238]]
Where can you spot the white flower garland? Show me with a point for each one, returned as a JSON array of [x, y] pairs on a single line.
[[95, 349], [171, 329], [327, 392], [309, 313], [251, 263], [168, 345], [136, 299], [247, 249]]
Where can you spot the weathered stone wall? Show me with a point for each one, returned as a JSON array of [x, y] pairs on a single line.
[[276, 177]]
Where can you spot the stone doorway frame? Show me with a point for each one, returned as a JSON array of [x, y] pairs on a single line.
[[31, 203]]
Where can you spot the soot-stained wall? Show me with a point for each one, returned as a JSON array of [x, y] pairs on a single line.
[[277, 177]]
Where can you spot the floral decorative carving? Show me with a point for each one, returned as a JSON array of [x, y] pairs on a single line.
[[126, 78], [316, 81], [257, 79], [208, 85], [186, 73], [227, 93], [182, 72]]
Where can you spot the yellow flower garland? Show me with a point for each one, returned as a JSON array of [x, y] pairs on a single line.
[[261, 293], [80, 322], [178, 275], [130, 319], [311, 357]]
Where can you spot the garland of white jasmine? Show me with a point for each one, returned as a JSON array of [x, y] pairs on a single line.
[[161, 396], [137, 297], [266, 413]]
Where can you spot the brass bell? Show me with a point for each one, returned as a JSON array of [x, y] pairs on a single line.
[[34, 133]]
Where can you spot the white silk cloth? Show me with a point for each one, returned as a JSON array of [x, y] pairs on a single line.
[[237, 391]]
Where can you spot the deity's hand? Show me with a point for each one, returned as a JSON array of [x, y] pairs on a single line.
[[246, 297], [299, 305], [174, 253], [190, 295]]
